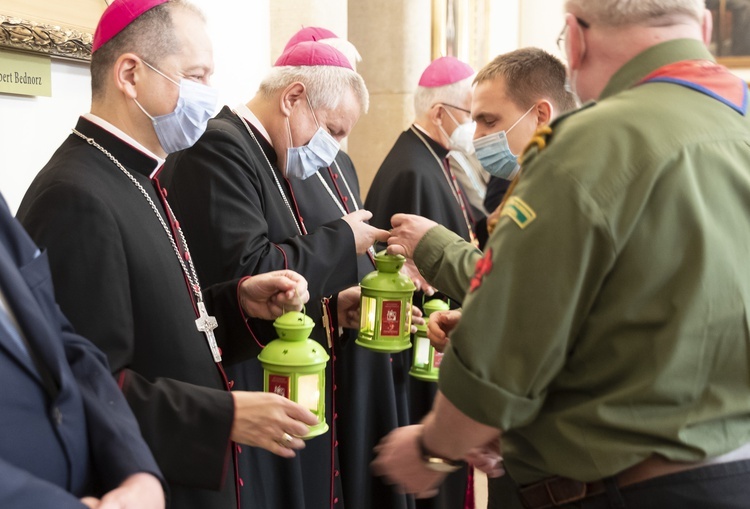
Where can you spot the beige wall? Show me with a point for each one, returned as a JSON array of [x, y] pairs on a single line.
[[393, 37], [288, 16]]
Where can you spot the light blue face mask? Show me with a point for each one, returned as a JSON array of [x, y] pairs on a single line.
[[495, 155], [195, 106], [305, 161]]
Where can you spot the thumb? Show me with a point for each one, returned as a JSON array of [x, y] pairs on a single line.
[[381, 235], [398, 219], [396, 249], [360, 215]]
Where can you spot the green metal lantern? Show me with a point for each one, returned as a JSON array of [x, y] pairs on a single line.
[[294, 366], [385, 306], [425, 364]]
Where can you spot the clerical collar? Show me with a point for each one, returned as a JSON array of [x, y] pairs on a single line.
[[115, 131], [248, 115], [437, 147]]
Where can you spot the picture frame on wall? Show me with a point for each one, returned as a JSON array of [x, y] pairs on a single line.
[[62, 29], [730, 39], [460, 29]]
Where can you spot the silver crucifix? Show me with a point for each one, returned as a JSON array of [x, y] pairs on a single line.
[[206, 324]]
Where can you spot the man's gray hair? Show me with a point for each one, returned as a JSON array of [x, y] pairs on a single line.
[[325, 84], [635, 12], [454, 94]]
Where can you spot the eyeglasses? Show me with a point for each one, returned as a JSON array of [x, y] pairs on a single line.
[[564, 31], [454, 107]]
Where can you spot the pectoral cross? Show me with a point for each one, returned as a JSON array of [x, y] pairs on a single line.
[[206, 324]]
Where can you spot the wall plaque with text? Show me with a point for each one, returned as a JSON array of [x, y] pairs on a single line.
[[25, 74]]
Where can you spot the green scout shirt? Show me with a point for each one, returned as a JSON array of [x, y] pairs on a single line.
[[446, 261], [610, 320]]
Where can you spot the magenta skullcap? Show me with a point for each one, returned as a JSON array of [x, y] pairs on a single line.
[[310, 34], [119, 15], [445, 71], [310, 53]]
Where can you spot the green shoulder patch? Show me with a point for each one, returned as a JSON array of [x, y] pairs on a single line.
[[519, 211]]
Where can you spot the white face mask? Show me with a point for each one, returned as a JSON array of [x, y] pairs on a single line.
[[462, 138], [305, 161], [195, 106]]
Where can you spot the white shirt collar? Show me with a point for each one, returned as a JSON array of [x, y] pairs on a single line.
[[248, 115], [124, 137]]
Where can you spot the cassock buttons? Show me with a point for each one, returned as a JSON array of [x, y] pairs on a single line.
[[230, 384], [346, 198], [242, 483], [335, 500], [336, 473], [335, 175]]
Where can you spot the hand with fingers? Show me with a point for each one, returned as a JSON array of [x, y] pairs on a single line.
[[364, 234], [439, 327], [407, 231], [269, 295], [348, 307], [410, 270], [399, 461], [487, 459], [416, 318], [270, 421], [138, 491]]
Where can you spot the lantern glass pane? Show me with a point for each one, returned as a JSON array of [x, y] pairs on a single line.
[[367, 315], [308, 391], [421, 351], [407, 315]]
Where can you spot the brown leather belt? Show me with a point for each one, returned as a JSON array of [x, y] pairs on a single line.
[[558, 491]]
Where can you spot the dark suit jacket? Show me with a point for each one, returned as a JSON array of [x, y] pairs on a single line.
[[74, 434]]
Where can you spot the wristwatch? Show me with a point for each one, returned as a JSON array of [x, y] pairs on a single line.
[[436, 463]]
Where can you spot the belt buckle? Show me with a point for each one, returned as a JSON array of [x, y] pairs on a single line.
[[552, 492], [571, 491]]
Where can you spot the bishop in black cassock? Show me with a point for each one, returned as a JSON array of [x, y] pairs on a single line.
[[240, 216], [117, 278], [416, 178]]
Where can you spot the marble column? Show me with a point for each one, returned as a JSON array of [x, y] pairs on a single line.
[[393, 37]]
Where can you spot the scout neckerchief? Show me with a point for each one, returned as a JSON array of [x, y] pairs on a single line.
[[706, 77], [205, 323], [452, 184]]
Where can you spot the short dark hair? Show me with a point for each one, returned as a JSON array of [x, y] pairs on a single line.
[[530, 74], [151, 36]]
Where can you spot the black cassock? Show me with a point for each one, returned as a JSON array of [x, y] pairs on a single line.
[[410, 180], [370, 398], [118, 280], [231, 204]]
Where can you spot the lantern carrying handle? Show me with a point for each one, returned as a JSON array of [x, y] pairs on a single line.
[[423, 296], [304, 308]]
